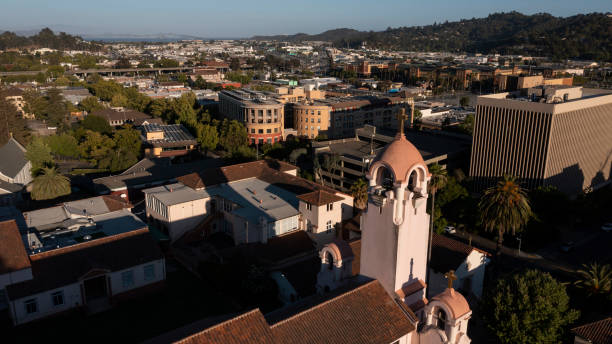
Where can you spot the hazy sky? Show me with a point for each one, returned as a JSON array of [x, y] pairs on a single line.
[[245, 18]]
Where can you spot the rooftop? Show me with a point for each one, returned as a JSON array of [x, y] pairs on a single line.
[[173, 134], [253, 97], [12, 158], [598, 332], [75, 222], [13, 256]]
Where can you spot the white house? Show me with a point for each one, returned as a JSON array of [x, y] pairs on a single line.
[[86, 254], [14, 167]]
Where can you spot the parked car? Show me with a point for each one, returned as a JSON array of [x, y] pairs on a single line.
[[567, 246], [607, 227], [450, 230]]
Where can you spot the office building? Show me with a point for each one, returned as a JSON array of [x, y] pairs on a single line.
[[553, 136]]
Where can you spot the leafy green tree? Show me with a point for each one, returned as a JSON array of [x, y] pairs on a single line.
[[135, 99], [64, 145], [123, 62], [437, 181], [158, 108], [530, 307], [96, 148], [467, 126], [208, 137], [166, 63], [39, 154], [504, 207], [11, 122], [595, 279], [119, 100], [359, 191], [233, 136], [90, 104], [96, 123], [50, 184]]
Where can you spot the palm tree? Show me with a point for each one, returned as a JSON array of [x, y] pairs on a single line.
[[50, 184], [436, 182], [595, 279], [504, 207], [359, 191]]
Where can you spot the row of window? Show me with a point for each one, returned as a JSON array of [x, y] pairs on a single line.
[[261, 141], [305, 112], [311, 128], [312, 120], [57, 298], [330, 206], [261, 131]]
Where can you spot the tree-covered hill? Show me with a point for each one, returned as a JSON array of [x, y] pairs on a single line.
[[583, 36], [45, 39]]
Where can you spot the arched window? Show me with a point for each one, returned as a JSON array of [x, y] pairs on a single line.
[[413, 180], [441, 319], [330, 260], [384, 178]]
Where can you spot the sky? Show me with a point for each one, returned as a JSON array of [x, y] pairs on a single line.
[[245, 18]]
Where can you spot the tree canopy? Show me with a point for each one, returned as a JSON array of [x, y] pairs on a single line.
[[529, 307]]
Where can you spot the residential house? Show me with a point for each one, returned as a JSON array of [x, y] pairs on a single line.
[[87, 254], [252, 202], [118, 117]]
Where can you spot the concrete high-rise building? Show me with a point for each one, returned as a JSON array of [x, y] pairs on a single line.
[[553, 136]]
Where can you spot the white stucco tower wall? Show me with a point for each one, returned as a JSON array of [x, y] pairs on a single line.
[[395, 225]]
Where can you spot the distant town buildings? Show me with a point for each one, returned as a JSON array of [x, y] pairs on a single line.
[[552, 136]]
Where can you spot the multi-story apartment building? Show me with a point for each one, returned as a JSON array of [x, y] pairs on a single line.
[[338, 117], [251, 202], [554, 136], [261, 113], [86, 254]]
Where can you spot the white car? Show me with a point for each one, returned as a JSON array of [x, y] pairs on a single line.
[[450, 230], [607, 227]]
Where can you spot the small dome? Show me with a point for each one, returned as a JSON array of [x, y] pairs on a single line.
[[455, 302], [400, 156]]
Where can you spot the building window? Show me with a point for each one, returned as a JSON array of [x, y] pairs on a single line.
[[269, 140], [268, 131], [329, 226], [441, 319], [308, 206], [276, 130], [149, 272], [261, 131], [58, 298], [252, 130], [330, 207], [31, 306], [127, 278]]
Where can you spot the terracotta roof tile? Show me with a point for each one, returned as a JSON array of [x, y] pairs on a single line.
[[411, 288], [13, 255], [250, 327], [366, 314], [599, 332], [319, 198], [115, 203]]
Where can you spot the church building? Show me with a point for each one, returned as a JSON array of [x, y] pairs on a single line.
[[368, 293]]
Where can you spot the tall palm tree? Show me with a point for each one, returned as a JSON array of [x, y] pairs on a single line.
[[595, 279], [436, 182], [50, 184], [359, 191], [504, 207]]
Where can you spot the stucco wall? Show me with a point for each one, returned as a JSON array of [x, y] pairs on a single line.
[[44, 300], [116, 282]]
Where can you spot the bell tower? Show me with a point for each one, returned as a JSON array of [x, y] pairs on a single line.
[[395, 225]]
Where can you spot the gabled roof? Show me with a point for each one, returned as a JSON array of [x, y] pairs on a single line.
[[63, 266], [319, 198], [13, 256], [599, 332], [126, 115], [250, 327], [366, 314], [447, 254], [215, 176], [12, 158]]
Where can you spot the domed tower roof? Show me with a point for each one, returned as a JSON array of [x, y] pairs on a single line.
[[400, 156], [457, 304]]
